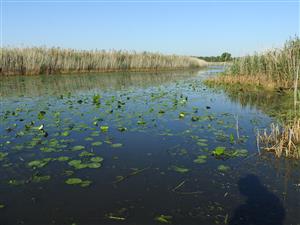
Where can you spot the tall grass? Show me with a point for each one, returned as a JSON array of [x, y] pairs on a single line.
[[278, 65], [40, 60]]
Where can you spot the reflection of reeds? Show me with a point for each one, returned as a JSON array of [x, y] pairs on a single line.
[[282, 141], [24, 61], [49, 85]]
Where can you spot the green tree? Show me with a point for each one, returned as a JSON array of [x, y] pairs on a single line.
[[225, 57]]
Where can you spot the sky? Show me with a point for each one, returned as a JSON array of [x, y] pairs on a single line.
[[199, 28]]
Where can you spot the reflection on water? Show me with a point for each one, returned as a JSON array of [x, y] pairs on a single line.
[[58, 84], [262, 207], [138, 149], [278, 104]]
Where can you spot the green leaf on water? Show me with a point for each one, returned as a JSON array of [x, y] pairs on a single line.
[[195, 118], [65, 133], [38, 179], [88, 139], [63, 158], [96, 159], [78, 181], [200, 159], [96, 99], [41, 115], [104, 128], [73, 181], [240, 153], [39, 163], [219, 151], [78, 148], [85, 183], [122, 129], [202, 144], [86, 154], [3, 155], [141, 122], [16, 182], [97, 143], [47, 149], [93, 165], [163, 219], [2, 206], [180, 169], [181, 115], [231, 138], [223, 168], [116, 145], [77, 164]]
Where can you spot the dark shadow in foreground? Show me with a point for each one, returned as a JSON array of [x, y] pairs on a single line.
[[261, 207]]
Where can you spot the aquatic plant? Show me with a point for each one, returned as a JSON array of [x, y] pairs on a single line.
[[41, 60], [283, 141]]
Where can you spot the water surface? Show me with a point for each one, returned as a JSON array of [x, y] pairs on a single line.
[[147, 146]]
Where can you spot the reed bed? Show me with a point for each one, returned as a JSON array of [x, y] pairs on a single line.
[[283, 141], [278, 66], [40, 60]]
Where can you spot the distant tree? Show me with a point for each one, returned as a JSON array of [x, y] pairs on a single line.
[[222, 58], [225, 57]]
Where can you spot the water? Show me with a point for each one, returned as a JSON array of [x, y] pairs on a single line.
[[138, 136]]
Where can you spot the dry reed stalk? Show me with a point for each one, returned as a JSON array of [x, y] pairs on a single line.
[[284, 141], [245, 80]]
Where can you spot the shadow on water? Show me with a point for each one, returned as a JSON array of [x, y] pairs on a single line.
[[261, 207]]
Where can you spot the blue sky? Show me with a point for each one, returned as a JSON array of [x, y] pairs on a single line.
[[187, 28]]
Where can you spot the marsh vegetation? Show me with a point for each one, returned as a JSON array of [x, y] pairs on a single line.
[[33, 61], [274, 70]]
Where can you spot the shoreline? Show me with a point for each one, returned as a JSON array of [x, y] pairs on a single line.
[[134, 70]]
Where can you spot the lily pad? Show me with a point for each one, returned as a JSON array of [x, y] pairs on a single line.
[[104, 128], [116, 145], [73, 181], [180, 169], [219, 151], [63, 158], [86, 154], [65, 133], [93, 165], [78, 181], [122, 129], [223, 168], [38, 179], [97, 143], [163, 219], [200, 159], [77, 164], [78, 148], [39, 163], [41, 115], [96, 159]]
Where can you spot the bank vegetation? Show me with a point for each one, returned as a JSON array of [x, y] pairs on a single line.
[[42, 60]]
